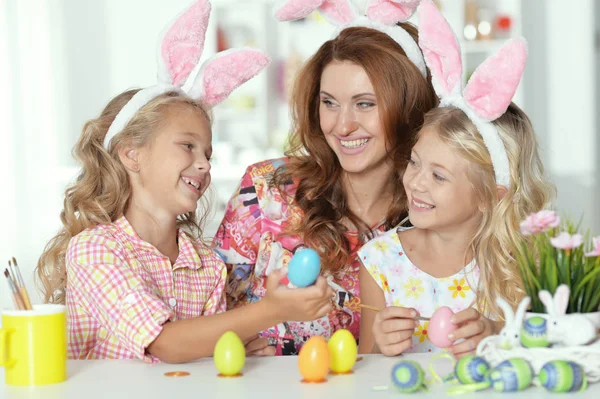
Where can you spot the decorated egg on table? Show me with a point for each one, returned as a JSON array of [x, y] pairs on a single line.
[[511, 375], [342, 351], [534, 333], [471, 369], [563, 376], [304, 267], [230, 354], [313, 360], [408, 376], [440, 326]]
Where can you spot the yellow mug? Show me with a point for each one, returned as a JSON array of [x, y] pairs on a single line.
[[33, 345]]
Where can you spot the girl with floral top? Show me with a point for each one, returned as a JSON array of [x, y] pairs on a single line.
[[473, 175], [356, 105], [129, 261]]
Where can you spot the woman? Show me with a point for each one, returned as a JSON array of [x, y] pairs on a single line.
[[356, 106]]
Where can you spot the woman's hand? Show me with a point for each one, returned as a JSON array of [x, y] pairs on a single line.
[[258, 346], [297, 304], [393, 329], [473, 327]]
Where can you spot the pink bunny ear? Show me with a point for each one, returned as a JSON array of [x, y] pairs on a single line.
[[182, 43], [339, 12], [290, 10], [226, 71], [494, 83], [388, 12], [561, 299], [440, 49]]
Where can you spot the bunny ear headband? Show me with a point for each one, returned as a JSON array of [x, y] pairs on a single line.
[[490, 89], [382, 15], [178, 52]]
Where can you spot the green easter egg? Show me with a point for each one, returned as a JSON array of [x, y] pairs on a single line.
[[408, 376], [534, 333], [563, 376], [471, 369], [511, 375]]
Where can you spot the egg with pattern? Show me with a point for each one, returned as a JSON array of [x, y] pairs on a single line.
[[471, 369], [563, 376], [511, 375], [534, 333], [408, 376]]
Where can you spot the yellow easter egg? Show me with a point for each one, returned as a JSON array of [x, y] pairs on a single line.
[[342, 351], [229, 354], [313, 360]]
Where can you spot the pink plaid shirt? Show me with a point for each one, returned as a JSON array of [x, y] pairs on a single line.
[[121, 290]]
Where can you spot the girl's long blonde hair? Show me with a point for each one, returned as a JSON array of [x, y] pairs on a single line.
[[102, 189], [403, 96], [498, 238]]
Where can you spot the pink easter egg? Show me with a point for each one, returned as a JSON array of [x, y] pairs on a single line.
[[440, 326]]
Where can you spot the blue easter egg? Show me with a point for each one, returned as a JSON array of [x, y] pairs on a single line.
[[534, 333], [511, 375], [304, 267], [408, 376], [471, 369], [563, 376]]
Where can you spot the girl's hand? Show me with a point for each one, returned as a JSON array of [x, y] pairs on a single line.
[[473, 327], [393, 329], [258, 346], [297, 304]]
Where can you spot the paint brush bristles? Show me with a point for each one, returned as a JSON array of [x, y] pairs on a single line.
[[16, 295], [21, 284]]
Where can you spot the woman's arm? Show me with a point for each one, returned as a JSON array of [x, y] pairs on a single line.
[[370, 294]]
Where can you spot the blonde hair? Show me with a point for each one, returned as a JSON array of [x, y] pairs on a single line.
[[404, 96], [498, 238], [102, 189]]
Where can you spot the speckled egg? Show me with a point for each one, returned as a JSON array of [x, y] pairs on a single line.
[[471, 369], [408, 376], [534, 333], [342, 351], [313, 359], [511, 375], [304, 267], [563, 376]]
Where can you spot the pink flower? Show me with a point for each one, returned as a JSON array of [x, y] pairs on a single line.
[[596, 251], [539, 222], [567, 241]]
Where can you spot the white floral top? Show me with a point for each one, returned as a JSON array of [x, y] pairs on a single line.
[[404, 284]]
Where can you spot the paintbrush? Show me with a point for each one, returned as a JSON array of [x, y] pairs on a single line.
[[373, 308], [21, 284], [17, 300]]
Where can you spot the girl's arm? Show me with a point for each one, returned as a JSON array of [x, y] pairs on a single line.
[[186, 340], [370, 294]]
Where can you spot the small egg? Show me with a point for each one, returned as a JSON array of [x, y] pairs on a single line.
[[534, 333], [471, 369], [313, 359], [408, 376], [342, 351], [440, 326], [563, 376], [230, 354], [511, 375], [304, 267]]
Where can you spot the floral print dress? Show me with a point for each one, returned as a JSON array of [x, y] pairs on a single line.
[[405, 285]]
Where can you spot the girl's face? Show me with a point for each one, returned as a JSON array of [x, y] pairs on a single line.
[[350, 120], [439, 192], [174, 168]]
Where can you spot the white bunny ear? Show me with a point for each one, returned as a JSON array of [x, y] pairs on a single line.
[[561, 299], [388, 12], [181, 44], [226, 71], [521, 309], [507, 309], [548, 302], [440, 49]]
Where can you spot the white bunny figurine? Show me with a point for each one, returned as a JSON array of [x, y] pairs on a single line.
[[510, 335], [566, 329]]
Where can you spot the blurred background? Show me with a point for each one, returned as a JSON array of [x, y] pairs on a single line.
[[62, 60]]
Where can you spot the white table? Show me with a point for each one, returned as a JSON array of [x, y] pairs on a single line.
[[276, 377]]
